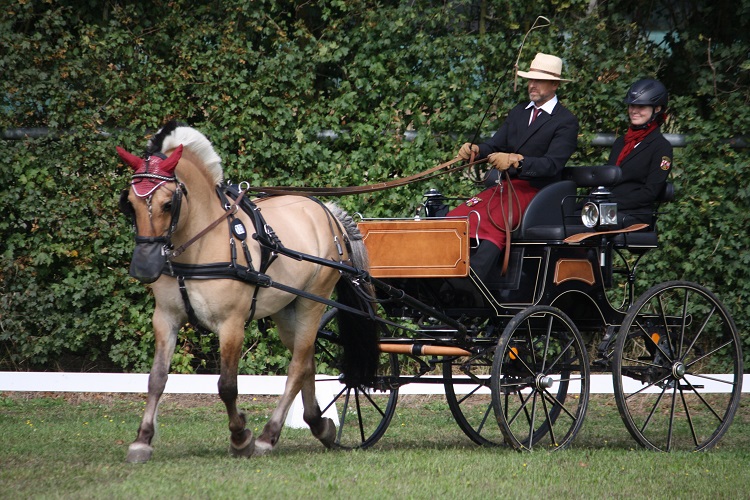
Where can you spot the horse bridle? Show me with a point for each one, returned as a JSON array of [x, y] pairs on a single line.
[[175, 206]]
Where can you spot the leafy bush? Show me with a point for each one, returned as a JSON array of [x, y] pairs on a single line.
[[262, 79]]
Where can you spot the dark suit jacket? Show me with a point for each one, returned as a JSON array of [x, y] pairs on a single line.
[[546, 144], [644, 173]]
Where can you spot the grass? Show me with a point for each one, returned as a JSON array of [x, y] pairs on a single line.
[[73, 446]]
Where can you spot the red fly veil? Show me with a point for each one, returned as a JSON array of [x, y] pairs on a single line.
[[151, 172]]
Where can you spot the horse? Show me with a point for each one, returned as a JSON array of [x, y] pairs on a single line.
[[187, 232]]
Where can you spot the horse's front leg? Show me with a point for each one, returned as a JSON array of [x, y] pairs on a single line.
[[242, 443], [165, 333]]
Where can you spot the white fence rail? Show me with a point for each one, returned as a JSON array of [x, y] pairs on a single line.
[[247, 384]]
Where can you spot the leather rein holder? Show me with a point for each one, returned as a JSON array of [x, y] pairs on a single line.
[[332, 191]]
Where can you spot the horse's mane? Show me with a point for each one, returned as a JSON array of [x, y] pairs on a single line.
[[175, 133]]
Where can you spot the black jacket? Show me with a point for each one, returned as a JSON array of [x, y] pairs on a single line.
[[546, 144], [644, 174]]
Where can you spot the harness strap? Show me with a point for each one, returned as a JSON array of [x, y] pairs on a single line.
[[229, 212], [192, 318]]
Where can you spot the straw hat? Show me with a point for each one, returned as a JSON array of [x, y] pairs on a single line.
[[544, 67]]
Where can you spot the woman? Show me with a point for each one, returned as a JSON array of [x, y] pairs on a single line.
[[643, 154]]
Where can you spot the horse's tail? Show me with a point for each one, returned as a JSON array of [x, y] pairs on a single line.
[[358, 334]]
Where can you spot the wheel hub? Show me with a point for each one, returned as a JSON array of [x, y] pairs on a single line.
[[678, 370], [543, 382]]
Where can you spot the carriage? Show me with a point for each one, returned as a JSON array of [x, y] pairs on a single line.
[[515, 355], [516, 365]]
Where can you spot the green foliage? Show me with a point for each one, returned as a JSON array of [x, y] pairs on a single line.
[[262, 79]]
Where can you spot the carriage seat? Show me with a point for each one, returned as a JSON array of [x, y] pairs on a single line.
[[551, 215], [645, 239]]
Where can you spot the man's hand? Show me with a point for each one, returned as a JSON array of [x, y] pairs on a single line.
[[503, 161], [465, 152]]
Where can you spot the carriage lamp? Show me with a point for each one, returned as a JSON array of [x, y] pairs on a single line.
[[599, 211], [434, 203]]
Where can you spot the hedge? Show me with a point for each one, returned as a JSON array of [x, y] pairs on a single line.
[[262, 79]]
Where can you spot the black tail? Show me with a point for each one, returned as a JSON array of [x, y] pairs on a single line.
[[359, 334], [359, 338]]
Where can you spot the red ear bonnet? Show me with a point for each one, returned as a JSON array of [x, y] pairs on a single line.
[[153, 171]]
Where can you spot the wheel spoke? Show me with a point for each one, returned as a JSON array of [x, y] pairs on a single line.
[[531, 420], [714, 351], [657, 346], [559, 356], [646, 387], [653, 410], [554, 402], [546, 342], [469, 394], [523, 407], [703, 400], [713, 379], [550, 421], [700, 331], [689, 418]]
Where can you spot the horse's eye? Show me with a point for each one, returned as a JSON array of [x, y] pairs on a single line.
[[167, 207]]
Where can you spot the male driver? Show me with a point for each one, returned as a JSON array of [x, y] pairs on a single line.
[[532, 145]]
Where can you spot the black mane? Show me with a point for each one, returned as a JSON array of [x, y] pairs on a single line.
[[156, 142]]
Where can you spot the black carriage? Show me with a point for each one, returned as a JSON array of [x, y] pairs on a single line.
[[516, 355]]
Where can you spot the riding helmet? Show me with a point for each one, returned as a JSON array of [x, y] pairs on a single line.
[[647, 92]]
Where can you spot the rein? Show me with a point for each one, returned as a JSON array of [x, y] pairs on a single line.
[[229, 211], [333, 191]]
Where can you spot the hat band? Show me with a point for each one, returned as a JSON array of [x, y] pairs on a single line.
[[558, 75]]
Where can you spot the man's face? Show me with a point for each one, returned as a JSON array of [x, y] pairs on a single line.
[[541, 91]]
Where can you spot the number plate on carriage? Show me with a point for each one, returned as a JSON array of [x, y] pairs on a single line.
[[407, 248]]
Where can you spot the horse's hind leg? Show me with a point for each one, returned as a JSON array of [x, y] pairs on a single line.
[[321, 427], [241, 442], [166, 337], [300, 376]]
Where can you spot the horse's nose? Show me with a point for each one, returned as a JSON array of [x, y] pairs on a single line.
[[148, 262]]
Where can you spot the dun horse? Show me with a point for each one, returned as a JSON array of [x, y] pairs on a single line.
[[191, 245]]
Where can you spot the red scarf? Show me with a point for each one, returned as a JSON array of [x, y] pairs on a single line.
[[633, 137]]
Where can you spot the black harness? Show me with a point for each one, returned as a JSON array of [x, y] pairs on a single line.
[[233, 269]]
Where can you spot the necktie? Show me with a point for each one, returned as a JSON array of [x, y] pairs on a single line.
[[534, 114]]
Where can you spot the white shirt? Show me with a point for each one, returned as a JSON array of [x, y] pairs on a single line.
[[547, 107]]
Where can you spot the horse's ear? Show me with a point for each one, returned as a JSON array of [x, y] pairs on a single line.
[[130, 158], [171, 162]]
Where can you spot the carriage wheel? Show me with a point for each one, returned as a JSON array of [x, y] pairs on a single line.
[[673, 342], [467, 390], [540, 380], [363, 414]]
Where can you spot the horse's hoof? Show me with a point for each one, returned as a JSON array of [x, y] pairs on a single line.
[[246, 449], [262, 448], [328, 436], [139, 453]]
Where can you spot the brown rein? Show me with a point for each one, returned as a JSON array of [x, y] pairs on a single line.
[[228, 212], [333, 191]]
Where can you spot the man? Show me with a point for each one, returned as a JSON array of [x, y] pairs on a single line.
[[532, 145]]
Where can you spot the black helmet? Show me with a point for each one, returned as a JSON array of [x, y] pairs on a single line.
[[647, 93]]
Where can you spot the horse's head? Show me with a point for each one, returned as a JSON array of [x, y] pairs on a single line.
[[153, 203]]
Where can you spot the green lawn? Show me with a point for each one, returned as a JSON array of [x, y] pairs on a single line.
[[73, 446]]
